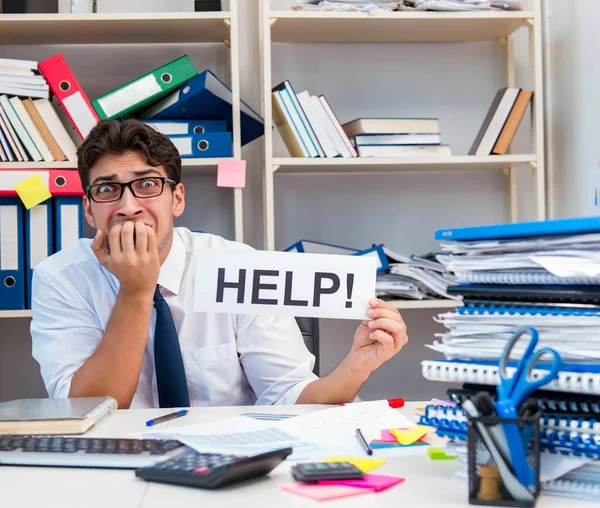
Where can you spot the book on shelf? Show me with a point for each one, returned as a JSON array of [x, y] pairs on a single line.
[[397, 139], [404, 151], [512, 122], [501, 122], [392, 126]]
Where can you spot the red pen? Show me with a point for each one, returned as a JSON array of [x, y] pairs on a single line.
[[393, 403]]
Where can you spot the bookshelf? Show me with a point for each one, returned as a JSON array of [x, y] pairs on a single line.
[[138, 28], [301, 27]]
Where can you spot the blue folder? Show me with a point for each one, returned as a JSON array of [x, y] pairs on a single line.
[[206, 97], [39, 240], [182, 127], [572, 226], [319, 248], [210, 144], [383, 264], [12, 255], [68, 213]]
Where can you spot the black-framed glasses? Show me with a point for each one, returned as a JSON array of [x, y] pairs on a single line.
[[146, 187]]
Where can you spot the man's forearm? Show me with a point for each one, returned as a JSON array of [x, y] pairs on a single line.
[[342, 385], [114, 368]]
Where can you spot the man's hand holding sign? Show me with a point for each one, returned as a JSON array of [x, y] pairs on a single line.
[[317, 285]]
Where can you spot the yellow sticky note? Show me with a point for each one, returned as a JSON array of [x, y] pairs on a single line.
[[409, 436], [365, 465], [32, 191]]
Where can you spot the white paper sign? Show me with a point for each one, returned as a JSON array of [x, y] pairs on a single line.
[[284, 283]]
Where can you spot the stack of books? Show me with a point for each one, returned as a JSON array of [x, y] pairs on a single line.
[[310, 128], [396, 137], [19, 77], [544, 275], [30, 126]]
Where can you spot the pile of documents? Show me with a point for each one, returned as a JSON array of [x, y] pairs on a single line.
[[415, 277], [346, 5], [398, 276], [544, 275], [459, 5]]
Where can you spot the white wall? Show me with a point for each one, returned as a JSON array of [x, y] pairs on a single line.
[[574, 80], [455, 82]]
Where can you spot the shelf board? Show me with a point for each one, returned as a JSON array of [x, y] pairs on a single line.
[[298, 26], [189, 166], [373, 165], [399, 304], [425, 304], [155, 27], [15, 314]]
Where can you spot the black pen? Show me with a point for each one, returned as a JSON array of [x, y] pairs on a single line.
[[363, 442]]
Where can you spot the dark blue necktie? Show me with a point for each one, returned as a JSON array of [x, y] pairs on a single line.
[[168, 362]]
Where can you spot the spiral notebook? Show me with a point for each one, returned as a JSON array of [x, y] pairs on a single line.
[[572, 404], [527, 293], [523, 278], [572, 489], [581, 483], [558, 434], [509, 310], [572, 378]]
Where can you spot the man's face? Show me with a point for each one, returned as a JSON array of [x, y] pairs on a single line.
[[157, 212]]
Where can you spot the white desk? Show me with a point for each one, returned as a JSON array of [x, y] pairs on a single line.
[[428, 483]]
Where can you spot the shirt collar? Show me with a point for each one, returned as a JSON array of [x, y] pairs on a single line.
[[171, 271]]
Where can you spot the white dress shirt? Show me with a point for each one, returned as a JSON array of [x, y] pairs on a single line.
[[229, 359]]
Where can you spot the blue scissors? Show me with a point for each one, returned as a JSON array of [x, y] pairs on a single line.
[[513, 390]]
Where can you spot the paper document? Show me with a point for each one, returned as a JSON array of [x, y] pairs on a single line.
[[239, 435]]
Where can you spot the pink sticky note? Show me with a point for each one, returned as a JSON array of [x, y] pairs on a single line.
[[388, 437], [231, 173], [374, 482], [324, 492]]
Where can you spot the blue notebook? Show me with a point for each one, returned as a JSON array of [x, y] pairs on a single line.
[[572, 226]]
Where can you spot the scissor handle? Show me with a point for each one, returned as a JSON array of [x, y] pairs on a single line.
[[529, 385], [507, 384]]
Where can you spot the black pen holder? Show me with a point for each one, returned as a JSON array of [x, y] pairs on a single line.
[[504, 460]]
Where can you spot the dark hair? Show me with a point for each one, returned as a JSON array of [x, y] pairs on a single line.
[[113, 137]]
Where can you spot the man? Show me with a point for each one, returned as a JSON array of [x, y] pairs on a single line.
[[114, 316]]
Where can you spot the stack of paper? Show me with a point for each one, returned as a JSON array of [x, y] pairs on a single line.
[[414, 277], [313, 436], [543, 275]]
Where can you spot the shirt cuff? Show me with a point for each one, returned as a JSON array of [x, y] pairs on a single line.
[[291, 396]]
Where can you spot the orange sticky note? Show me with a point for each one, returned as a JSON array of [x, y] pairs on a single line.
[[409, 436], [32, 191], [231, 173]]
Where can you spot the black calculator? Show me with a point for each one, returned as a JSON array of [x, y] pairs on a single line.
[[315, 471], [212, 470]]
